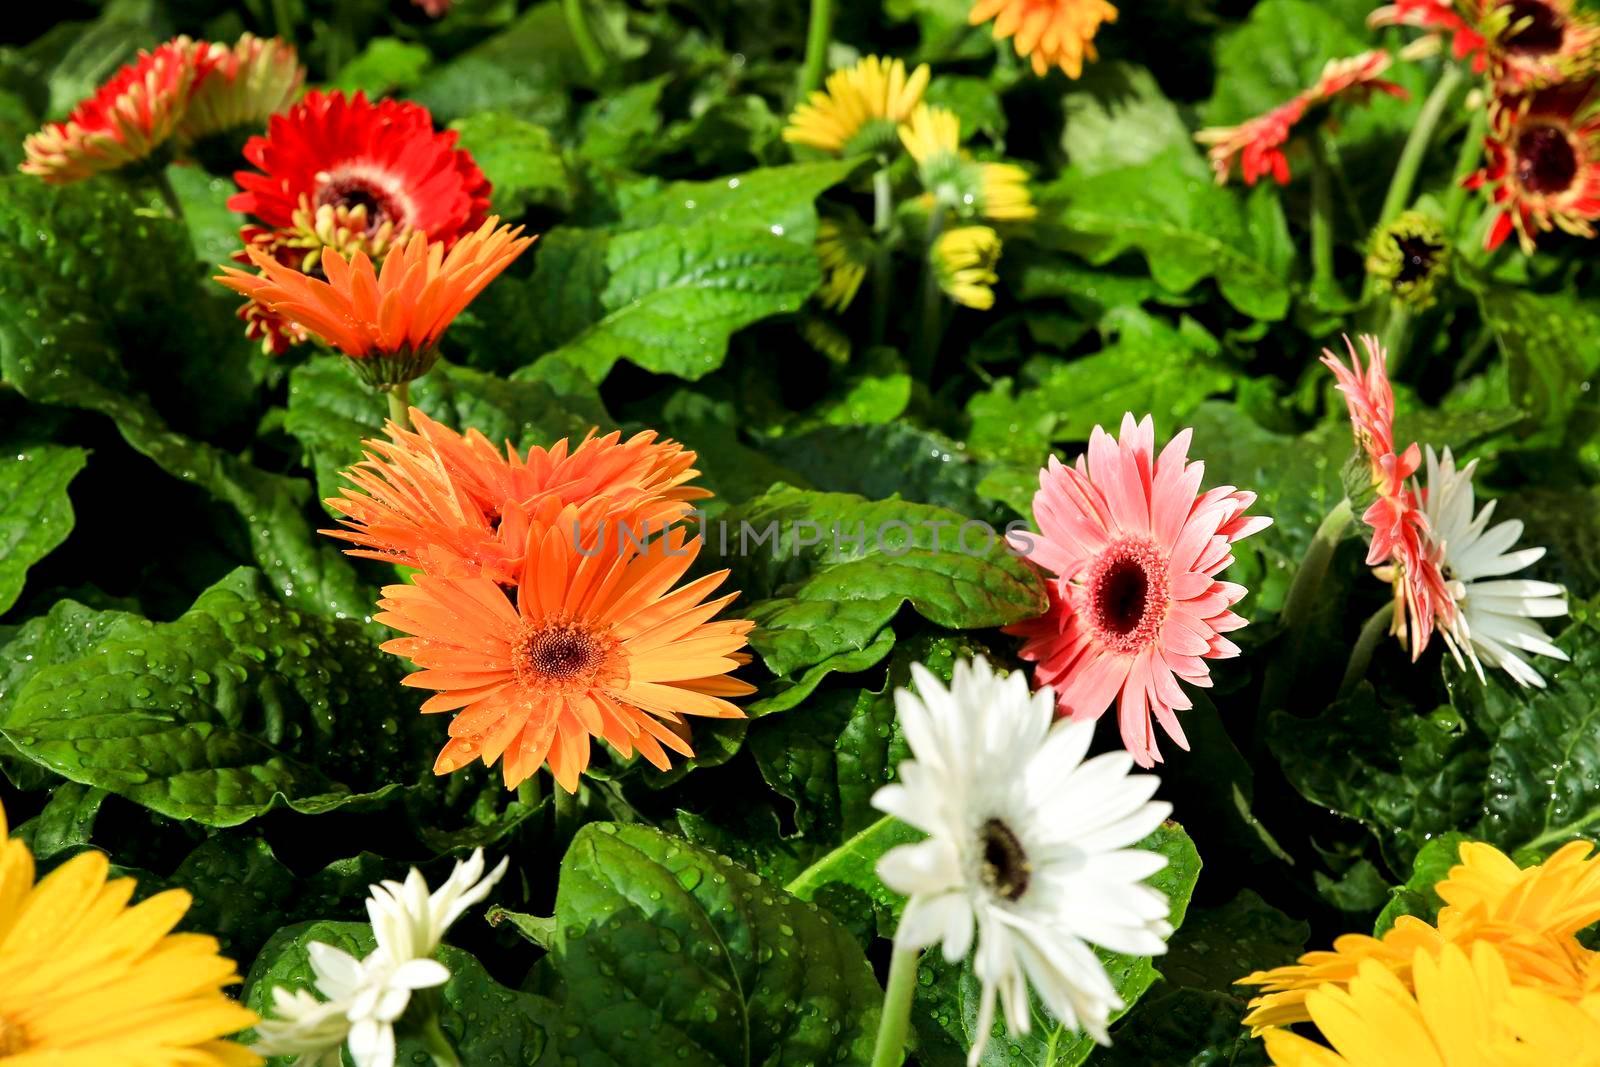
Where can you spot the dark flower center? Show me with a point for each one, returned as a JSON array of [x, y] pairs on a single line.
[[1005, 864], [1546, 162], [1124, 591], [353, 193], [1541, 28], [563, 652], [12, 1040], [1417, 257]]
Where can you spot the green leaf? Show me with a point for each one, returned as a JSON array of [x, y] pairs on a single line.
[[676, 296], [623, 126], [1279, 51], [35, 511], [785, 693], [1188, 229], [1551, 344], [213, 228], [238, 707], [521, 159], [484, 1021], [756, 976], [1407, 777], [1567, 522], [515, 318], [1417, 896], [1217, 946], [778, 200], [947, 1005], [884, 460], [1117, 116], [1178, 1027], [67, 821], [864, 560], [386, 65]]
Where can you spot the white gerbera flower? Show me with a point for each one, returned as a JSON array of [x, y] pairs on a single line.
[[1492, 622], [366, 997], [1027, 848]]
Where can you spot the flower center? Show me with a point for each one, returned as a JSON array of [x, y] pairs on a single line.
[[1541, 28], [361, 197], [1127, 594], [1546, 162], [563, 654], [1417, 256], [12, 1039], [1005, 864]]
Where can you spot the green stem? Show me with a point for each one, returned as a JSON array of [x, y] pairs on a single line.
[[895, 1023], [882, 260], [169, 196], [1323, 278], [594, 57], [1372, 632], [1395, 332], [1301, 598], [1471, 154], [281, 21], [438, 1045], [930, 330], [567, 815], [817, 37], [400, 404], [530, 791]]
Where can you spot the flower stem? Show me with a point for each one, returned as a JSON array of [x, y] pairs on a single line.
[[169, 196], [1455, 198], [594, 57], [1372, 632], [1323, 278], [1394, 335], [437, 1044], [1301, 598], [882, 262], [930, 331], [567, 815], [1416, 149], [400, 404], [817, 37], [895, 1023]]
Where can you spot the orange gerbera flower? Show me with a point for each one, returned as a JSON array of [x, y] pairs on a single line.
[[388, 322], [455, 506], [596, 643], [1051, 33], [125, 121]]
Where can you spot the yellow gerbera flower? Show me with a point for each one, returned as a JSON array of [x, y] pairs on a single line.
[[951, 177], [87, 981], [1530, 916], [1465, 1012], [965, 259], [1051, 33], [860, 108], [931, 134], [846, 253], [1005, 193]]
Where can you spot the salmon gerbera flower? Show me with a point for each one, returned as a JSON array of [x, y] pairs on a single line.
[[454, 505], [240, 86], [1048, 33], [1257, 145], [595, 642], [1543, 164], [387, 322], [126, 121], [87, 979], [1134, 547], [1395, 516], [860, 109]]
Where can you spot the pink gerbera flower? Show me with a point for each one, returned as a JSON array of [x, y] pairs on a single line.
[[1135, 548], [1395, 516]]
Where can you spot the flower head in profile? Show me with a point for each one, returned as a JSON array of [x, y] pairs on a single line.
[[860, 108], [595, 642], [952, 178], [240, 86], [846, 251], [1531, 916], [362, 1000], [1543, 164], [1492, 617], [1410, 256], [1048, 33], [85, 978], [1534, 44], [1256, 146], [1394, 516], [1029, 854], [126, 121], [1133, 548], [388, 322], [965, 259], [456, 506], [1438, 17]]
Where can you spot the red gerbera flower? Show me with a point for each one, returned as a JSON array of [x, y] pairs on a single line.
[[125, 121], [1544, 164], [1535, 43], [1440, 16], [1257, 145]]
